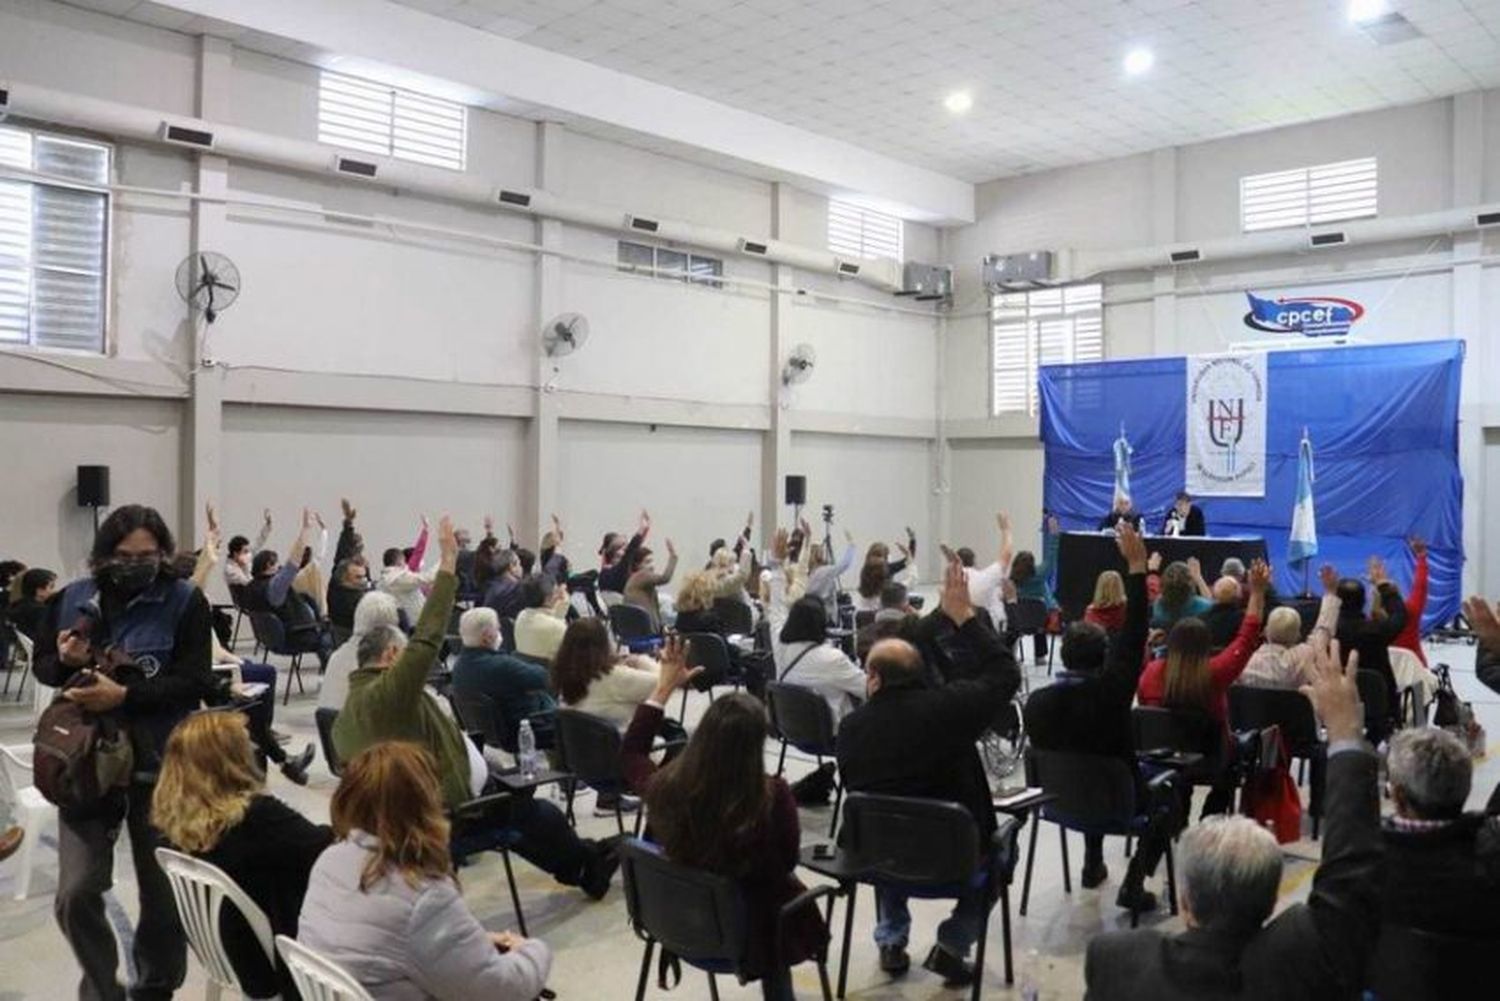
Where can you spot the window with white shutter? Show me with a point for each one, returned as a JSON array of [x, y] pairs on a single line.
[[857, 232], [377, 118], [1045, 326], [54, 239], [1309, 196]]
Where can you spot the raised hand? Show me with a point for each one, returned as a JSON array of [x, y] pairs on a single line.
[[1417, 546], [1260, 576], [348, 510], [1132, 547], [1053, 525], [749, 521], [425, 524], [1195, 568], [645, 521], [848, 537], [510, 532], [1153, 563], [265, 515], [779, 545], [1003, 520], [319, 519], [447, 544], [213, 517], [1330, 578], [307, 519], [671, 550], [954, 599], [674, 672], [1375, 569], [557, 529], [1483, 621], [1334, 694], [489, 525]]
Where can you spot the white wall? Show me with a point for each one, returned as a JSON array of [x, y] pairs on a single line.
[[698, 484], [878, 486], [394, 468], [45, 439]]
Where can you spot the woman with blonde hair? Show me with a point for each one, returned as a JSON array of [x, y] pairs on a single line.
[[210, 802], [384, 903], [1107, 610]]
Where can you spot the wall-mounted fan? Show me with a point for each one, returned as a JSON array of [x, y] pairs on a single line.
[[564, 334], [799, 365], [208, 281]]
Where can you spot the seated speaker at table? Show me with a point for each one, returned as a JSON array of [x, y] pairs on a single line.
[[1185, 517], [1123, 510]]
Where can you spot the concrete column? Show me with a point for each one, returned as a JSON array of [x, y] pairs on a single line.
[[940, 507], [203, 418], [543, 439], [776, 456], [1468, 323]]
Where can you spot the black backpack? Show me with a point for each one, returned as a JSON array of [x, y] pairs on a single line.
[[1445, 701]]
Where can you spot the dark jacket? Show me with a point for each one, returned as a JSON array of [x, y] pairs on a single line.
[[269, 853], [770, 853], [617, 575], [701, 620], [1109, 521], [342, 601], [1191, 525], [166, 630], [919, 740], [1373, 637], [504, 596], [1223, 621], [27, 615], [1309, 952], [1089, 713], [517, 687]]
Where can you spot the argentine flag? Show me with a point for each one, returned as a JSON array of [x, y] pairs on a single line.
[[1303, 545], [1123, 452]]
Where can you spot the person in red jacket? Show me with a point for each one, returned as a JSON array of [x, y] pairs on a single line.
[[1410, 636]]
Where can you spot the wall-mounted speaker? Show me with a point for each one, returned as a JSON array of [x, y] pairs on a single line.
[[93, 486], [796, 490]]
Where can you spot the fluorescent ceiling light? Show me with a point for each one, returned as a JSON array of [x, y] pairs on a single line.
[[959, 102], [1138, 61], [1365, 11]]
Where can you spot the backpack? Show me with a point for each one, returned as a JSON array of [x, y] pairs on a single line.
[[1446, 705], [1455, 716], [80, 757]]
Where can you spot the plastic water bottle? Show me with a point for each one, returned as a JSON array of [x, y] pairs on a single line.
[[1030, 989], [526, 750]]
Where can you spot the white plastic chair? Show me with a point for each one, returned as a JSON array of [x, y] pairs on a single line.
[[201, 889], [33, 812], [318, 978]]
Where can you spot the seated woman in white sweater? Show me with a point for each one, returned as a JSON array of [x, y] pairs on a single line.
[[804, 658], [383, 901], [589, 675]]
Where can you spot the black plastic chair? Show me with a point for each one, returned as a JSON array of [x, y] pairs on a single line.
[[1186, 731], [1252, 708], [589, 747], [270, 635], [1093, 794], [926, 849], [508, 635], [803, 718], [697, 916], [709, 651], [1028, 617], [237, 598], [737, 616], [324, 719], [632, 627], [863, 618], [478, 826], [478, 713]]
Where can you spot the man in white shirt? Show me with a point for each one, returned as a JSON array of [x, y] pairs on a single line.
[[242, 551], [541, 625], [404, 584], [988, 586]]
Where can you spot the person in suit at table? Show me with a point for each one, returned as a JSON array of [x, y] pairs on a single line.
[[1123, 510], [1229, 875], [1185, 517]]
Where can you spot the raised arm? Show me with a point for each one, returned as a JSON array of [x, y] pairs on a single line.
[[635, 750], [1007, 542], [1416, 601], [1051, 537], [1128, 654], [1195, 568], [345, 546], [1486, 624], [990, 678], [264, 533], [1345, 901], [208, 554], [847, 557], [418, 549], [407, 676], [281, 583], [1231, 661]]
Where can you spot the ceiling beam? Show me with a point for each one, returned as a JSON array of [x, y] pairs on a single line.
[[406, 39]]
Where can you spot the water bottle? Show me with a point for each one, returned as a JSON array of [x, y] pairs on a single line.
[[1030, 989], [526, 750]]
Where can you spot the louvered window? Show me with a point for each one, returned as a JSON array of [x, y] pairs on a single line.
[[1044, 326], [54, 239], [857, 232], [365, 115], [1309, 196]]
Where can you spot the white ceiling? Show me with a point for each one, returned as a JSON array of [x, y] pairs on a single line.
[[1045, 74]]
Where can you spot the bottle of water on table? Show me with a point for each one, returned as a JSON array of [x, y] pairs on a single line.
[[526, 750]]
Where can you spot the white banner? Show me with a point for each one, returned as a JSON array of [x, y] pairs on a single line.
[[1226, 425]]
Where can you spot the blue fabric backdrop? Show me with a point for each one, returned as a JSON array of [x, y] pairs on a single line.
[[1384, 427]]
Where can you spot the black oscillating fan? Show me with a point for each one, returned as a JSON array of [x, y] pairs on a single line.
[[208, 281]]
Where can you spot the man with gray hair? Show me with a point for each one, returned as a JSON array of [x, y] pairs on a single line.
[[1442, 871], [518, 688], [1229, 876]]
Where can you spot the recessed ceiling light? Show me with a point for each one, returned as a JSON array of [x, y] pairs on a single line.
[[1364, 11], [1139, 60], [959, 101]]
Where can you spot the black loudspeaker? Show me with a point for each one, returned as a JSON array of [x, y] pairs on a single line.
[[93, 486], [796, 490]]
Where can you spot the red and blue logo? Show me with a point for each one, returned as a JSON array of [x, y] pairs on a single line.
[[1310, 316]]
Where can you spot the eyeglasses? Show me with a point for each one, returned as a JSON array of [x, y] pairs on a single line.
[[125, 557]]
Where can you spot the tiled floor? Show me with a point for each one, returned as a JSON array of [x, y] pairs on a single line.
[[596, 954]]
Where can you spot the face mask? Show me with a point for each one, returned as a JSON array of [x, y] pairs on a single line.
[[131, 576]]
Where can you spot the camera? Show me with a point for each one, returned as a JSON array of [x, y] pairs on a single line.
[[828, 513]]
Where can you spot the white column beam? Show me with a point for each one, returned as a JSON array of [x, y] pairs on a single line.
[[543, 438]]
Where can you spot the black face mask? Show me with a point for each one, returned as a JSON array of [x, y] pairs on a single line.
[[130, 577]]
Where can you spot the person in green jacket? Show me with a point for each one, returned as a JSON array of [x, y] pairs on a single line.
[[388, 700]]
